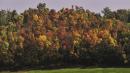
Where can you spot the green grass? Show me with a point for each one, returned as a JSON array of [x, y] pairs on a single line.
[[77, 70]]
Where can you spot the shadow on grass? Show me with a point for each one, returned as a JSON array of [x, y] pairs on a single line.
[[56, 67]]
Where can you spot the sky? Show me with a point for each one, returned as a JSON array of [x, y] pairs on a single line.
[[92, 5]]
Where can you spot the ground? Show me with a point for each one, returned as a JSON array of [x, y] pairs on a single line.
[[75, 70]]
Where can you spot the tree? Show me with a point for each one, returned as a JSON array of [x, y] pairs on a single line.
[[108, 13], [122, 14]]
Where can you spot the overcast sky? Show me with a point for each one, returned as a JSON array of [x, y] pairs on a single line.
[[93, 5]]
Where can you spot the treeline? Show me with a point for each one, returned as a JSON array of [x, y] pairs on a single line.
[[45, 37], [120, 14]]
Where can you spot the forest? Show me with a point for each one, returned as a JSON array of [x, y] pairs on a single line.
[[71, 36]]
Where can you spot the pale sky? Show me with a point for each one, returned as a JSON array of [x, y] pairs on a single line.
[[93, 5]]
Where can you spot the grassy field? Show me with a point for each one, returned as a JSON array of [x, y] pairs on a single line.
[[76, 70]]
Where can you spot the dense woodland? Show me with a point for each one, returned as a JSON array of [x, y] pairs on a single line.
[[75, 36]]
